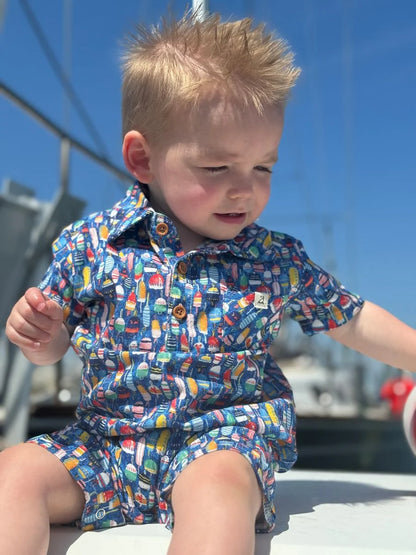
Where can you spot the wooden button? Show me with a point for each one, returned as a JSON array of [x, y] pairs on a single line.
[[179, 312], [182, 268], [162, 229]]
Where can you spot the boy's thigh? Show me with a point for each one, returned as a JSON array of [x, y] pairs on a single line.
[[31, 470], [231, 463], [222, 479]]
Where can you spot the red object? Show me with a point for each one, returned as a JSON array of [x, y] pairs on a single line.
[[409, 420], [396, 391]]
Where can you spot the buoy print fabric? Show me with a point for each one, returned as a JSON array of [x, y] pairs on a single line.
[[178, 343]]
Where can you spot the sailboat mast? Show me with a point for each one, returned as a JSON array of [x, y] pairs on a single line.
[[200, 9]]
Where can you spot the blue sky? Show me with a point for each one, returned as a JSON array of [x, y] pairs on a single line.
[[345, 181]]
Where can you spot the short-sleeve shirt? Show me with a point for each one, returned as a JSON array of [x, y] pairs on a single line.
[[180, 340]]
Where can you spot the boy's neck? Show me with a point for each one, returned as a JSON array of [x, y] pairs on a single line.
[[189, 239]]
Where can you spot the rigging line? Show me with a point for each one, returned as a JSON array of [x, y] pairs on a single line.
[[67, 54], [307, 195], [311, 32], [350, 203], [56, 67], [101, 159]]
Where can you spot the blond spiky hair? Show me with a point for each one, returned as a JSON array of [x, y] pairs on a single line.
[[174, 66]]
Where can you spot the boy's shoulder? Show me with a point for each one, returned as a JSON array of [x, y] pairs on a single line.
[[267, 244]]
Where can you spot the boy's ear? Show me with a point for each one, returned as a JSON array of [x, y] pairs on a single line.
[[136, 155]]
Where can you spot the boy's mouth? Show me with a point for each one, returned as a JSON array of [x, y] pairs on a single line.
[[232, 217]]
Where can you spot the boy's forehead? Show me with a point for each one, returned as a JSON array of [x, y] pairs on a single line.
[[216, 106], [217, 117], [219, 109], [215, 128], [217, 153]]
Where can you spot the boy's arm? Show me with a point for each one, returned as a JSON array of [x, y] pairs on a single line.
[[380, 335], [36, 326]]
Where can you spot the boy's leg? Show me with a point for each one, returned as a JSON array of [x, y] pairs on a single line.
[[35, 490], [215, 501]]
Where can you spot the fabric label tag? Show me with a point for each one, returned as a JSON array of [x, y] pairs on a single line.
[[261, 300]]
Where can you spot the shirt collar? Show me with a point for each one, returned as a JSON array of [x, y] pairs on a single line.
[[130, 210], [251, 243]]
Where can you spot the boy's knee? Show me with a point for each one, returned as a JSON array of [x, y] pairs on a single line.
[[13, 458], [222, 471], [221, 484], [19, 469], [232, 469]]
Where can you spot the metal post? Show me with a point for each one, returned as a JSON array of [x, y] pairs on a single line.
[[200, 9], [64, 165], [3, 5]]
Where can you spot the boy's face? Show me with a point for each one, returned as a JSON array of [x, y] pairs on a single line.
[[211, 175]]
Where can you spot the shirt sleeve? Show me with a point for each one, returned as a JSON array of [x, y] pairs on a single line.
[[320, 302], [59, 281]]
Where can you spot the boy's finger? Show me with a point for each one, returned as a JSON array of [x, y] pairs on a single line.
[[21, 330], [53, 310], [43, 304], [26, 343], [35, 298]]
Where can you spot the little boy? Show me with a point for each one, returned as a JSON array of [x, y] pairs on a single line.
[[172, 299]]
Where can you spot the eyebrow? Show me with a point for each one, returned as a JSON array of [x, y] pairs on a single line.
[[271, 157]]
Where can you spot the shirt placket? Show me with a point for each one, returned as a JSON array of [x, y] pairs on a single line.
[[166, 244], [179, 300]]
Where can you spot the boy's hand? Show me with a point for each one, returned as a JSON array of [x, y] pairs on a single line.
[[36, 326]]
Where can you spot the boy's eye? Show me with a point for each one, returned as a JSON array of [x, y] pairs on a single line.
[[215, 169], [263, 169]]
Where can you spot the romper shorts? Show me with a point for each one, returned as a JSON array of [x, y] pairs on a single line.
[[129, 479]]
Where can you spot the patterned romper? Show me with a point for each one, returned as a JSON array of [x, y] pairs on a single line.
[[175, 356]]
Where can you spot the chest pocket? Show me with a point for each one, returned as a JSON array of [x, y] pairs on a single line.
[[246, 318]]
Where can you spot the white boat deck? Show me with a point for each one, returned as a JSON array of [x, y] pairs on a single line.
[[325, 513]]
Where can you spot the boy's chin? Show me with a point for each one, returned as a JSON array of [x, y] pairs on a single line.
[[224, 236]]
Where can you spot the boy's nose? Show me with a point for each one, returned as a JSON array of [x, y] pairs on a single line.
[[241, 189]]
